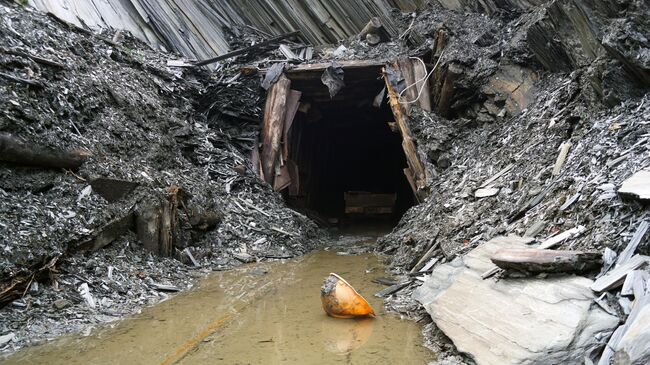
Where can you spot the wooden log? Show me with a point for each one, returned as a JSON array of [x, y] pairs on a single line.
[[16, 152], [374, 32], [34, 83], [497, 175], [534, 260], [274, 115], [15, 286], [409, 177], [392, 289], [422, 82], [413, 161], [314, 70]]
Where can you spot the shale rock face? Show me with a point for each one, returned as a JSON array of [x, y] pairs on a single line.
[[513, 321]]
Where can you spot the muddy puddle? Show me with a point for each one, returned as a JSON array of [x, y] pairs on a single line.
[[267, 313]]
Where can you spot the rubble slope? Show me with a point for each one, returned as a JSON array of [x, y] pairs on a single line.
[[64, 88]]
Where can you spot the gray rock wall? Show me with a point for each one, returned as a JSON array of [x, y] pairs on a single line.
[[195, 29]]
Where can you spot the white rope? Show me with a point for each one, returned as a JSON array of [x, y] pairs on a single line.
[[407, 30], [422, 80]]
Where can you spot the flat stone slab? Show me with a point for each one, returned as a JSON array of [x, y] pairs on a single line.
[[637, 186], [513, 320], [112, 189], [633, 348]]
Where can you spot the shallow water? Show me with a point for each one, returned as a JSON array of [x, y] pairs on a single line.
[[268, 313]]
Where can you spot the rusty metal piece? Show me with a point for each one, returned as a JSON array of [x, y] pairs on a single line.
[[340, 300]]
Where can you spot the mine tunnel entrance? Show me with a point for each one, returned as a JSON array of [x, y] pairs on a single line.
[[344, 153]]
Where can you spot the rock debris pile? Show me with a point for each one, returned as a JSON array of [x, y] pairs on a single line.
[[88, 243]]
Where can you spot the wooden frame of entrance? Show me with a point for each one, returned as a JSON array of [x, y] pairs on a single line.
[[282, 102]]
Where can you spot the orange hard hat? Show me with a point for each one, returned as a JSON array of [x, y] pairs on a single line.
[[340, 300]]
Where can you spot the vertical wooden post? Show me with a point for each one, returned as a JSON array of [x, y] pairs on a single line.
[[448, 88], [410, 151], [293, 101], [406, 68], [420, 73], [274, 114]]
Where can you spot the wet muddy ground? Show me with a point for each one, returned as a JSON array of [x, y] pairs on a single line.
[[261, 313]]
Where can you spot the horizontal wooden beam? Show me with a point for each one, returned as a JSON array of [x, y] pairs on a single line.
[[346, 65]]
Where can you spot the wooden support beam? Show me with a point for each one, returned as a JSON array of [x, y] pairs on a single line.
[[410, 151], [157, 223], [293, 101], [420, 74], [406, 68], [275, 111], [447, 90], [318, 68]]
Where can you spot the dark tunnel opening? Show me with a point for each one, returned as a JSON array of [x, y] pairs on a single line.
[[349, 160]]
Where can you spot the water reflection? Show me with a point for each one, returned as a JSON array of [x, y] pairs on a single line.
[[342, 336]]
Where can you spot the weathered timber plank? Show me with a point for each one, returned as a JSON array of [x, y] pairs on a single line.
[[410, 94], [412, 158], [422, 81], [274, 114], [293, 101], [535, 260]]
